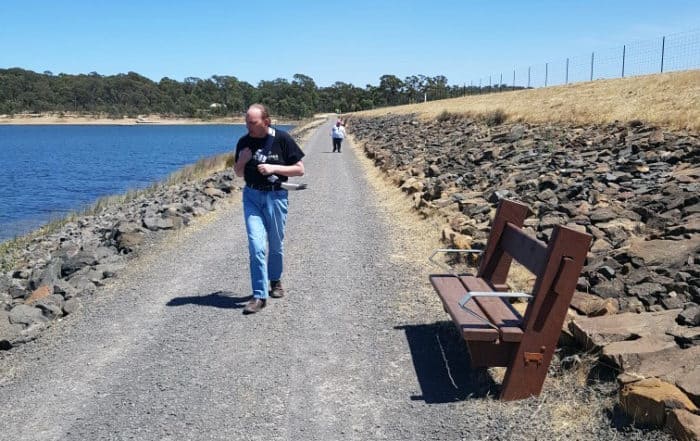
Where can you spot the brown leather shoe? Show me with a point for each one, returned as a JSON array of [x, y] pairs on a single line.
[[254, 305], [276, 289]]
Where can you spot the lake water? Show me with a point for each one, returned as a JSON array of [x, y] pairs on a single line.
[[49, 171]]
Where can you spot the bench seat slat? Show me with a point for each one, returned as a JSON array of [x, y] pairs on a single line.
[[499, 311], [451, 292], [496, 310]]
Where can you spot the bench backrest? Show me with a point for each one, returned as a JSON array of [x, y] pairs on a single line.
[[555, 265]]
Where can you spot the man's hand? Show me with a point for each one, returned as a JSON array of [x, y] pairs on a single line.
[[266, 169], [243, 158]]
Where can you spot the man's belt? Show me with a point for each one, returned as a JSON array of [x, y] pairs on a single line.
[[265, 187]]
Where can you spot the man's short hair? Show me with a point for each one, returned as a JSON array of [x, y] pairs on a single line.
[[263, 110]]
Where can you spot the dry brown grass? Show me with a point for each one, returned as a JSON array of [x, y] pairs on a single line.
[[413, 240], [201, 169], [669, 100]]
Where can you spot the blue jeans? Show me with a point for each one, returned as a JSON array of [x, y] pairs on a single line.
[[265, 217]]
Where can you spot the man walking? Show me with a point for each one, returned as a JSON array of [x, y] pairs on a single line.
[[265, 158]]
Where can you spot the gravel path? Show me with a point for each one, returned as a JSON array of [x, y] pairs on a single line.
[[353, 352]]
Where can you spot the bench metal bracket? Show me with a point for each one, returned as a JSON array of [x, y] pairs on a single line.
[[534, 357], [468, 296]]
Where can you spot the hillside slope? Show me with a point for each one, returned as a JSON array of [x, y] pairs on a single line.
[[670, 100]]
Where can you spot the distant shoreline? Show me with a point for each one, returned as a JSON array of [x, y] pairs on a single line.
[[52, 119]]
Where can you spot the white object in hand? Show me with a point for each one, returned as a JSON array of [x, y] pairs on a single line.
[[290, 186]]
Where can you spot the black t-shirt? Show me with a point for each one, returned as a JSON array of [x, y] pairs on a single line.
[[284, 151]]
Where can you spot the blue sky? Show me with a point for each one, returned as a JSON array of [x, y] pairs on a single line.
[[351, 41]]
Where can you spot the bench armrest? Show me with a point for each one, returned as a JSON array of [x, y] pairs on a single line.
[[450, 250], [468, 296]]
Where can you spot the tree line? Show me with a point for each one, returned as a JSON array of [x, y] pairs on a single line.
[[131, 94]]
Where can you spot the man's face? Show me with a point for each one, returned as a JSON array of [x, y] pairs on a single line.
[[256, 124]]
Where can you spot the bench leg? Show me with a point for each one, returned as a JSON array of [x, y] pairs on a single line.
[[526, 374]]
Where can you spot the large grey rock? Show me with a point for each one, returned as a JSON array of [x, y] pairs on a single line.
[[156, 222], [684, 425], [65, 289], [689, 382], [627, 354], [17, 291], [690, 316], [599, 331], [51, 306], [26, 315], [48, 275], [9, 332], [77, 262], [82, 284], [685, 335], [128, 227], [669, 253], [213, 192], [72, 305], [5, 283], [673, 365], [5, 300]]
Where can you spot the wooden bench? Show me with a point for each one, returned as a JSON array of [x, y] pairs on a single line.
[[495, 333]]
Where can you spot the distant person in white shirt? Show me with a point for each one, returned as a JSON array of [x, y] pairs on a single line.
[[338, 134]]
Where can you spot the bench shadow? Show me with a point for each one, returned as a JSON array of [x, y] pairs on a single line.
[[218, 299], [443, 367]]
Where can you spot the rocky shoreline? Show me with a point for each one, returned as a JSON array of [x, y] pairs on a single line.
[[635, 188], [53, 273]]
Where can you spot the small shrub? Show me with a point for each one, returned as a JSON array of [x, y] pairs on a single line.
[[444, 116], [495, 118]]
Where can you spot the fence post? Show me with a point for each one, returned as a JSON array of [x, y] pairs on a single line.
[[566, 81], [546, 73], [479, 86], [513, 80], [623, 60], [592, 57], [528, 77], [663, 46], [500, 83]]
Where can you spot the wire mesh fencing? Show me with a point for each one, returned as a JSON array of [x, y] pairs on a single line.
[[673, 52]]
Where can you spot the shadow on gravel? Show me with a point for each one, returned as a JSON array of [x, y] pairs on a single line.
[[442, 365], [218, 299]]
